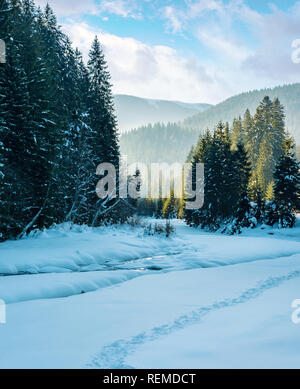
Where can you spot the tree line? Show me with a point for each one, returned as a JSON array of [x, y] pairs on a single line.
[[57, 124], [251, 172], [158, 142]]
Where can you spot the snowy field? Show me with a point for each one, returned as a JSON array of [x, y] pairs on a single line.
[[116, 298]]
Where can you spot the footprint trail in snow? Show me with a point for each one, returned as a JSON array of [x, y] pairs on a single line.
[[113, 356]]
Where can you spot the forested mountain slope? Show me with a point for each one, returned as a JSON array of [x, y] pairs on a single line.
[[289, 96], [158, 143], [172, 143]]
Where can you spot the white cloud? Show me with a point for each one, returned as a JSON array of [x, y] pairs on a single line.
[[124, 8], [70, 7], [275, 33], [296, 51], [174, 19], [212, 23], [227, 28], [196, 8], [161, 72], [231, 64], [178, 16], [226, 47], [150, 71]]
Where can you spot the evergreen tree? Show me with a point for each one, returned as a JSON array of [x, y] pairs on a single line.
[[241, 208], [278, 126], [169, 208], [262, 121], [159, 207], [220, 189], [103, 123], [241, 170], [251, 136], [259, 205], [286, 186], [77, 151], [136, 182], [265, 165], [270, 191], [56, 124], [24, 185], [193, 217], [238, 133], [265, 141]]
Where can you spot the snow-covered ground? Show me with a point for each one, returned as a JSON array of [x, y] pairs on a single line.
[[115, 298]]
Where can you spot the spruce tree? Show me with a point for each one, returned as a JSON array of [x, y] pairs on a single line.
[[103, 124], [169, 208], [159, 207], [278, 128], [286, 186], [136, 182], [77, 155], [56, 124], [270, 191], [193, 217], [238, 133], [251, 134], [265, 141], [265, 165], [18, 135]]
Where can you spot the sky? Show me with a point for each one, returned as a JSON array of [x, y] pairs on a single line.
[[200, 51]]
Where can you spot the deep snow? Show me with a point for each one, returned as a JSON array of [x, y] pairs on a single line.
[[115, 298]]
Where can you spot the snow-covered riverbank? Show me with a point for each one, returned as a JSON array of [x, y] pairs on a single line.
[[117, 298]]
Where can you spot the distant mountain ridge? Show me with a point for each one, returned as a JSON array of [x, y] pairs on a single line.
[[172, 143], [133, 112], [233, 107]]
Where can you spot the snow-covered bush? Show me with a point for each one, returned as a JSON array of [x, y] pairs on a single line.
[[135, 221], [271, 213], [280, 214], [170, 229], [159, 229]]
